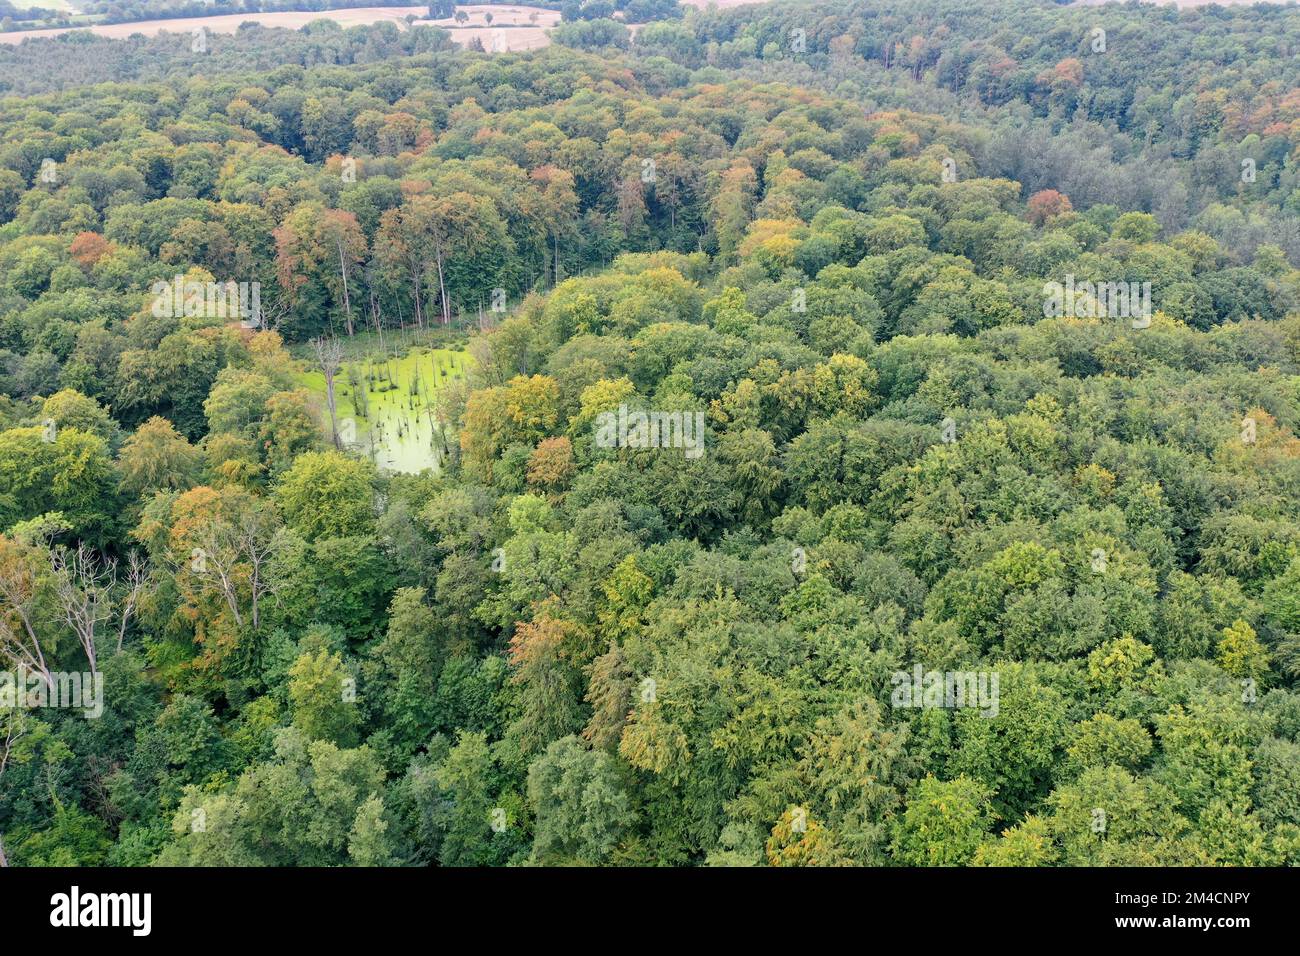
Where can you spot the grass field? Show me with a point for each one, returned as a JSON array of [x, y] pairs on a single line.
[[385, 408], [519, 31], [63, 6]]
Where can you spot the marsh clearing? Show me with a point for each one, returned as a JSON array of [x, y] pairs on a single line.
[[387, 407]]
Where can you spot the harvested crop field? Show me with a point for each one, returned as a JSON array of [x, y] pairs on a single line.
[[512, 28]]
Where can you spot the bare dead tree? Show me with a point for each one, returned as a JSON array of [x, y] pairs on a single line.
[[216, 562], [270, 312], [442, 279], [4, 860], [236, 553], [329, 358], [256, 538], [83, 584], [137, 574], [378, 321], [347, 298]]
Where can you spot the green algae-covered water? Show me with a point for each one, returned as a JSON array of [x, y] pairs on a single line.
[[386, 408]]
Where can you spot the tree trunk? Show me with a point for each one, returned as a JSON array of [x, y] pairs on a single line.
[[329, 356], [347, 299], [379, 323], [417, 279], [442, 290]]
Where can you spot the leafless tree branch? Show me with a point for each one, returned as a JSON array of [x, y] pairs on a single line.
[[83, 584]]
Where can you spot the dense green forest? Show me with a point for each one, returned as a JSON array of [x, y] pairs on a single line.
[[826, 233]]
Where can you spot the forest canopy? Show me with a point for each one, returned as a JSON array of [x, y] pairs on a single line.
[[985, 328]]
